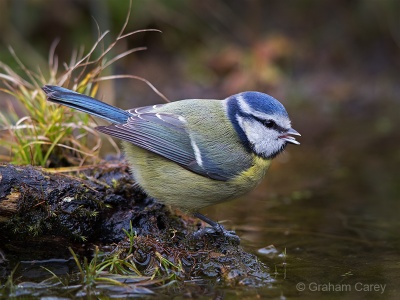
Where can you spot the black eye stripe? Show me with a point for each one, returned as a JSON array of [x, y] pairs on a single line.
[[273, 126]]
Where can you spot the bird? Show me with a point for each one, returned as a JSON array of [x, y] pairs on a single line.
[[194, 153]]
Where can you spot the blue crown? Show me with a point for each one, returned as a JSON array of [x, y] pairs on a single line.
[[263, 103], [254, 102]]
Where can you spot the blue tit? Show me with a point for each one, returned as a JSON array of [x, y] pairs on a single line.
[[198, 152]]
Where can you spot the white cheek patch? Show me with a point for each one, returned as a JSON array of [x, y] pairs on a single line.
[[263, 140]]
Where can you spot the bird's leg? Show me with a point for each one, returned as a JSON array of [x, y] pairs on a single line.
[[213, 224], [215, 228]]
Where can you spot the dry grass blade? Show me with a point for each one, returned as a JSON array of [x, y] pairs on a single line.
[[112, 77], [137, 31], [119, 56]]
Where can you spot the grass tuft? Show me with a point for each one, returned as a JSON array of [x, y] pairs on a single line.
[[50, 135]]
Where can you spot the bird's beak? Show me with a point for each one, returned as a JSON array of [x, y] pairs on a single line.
[[288, 138]]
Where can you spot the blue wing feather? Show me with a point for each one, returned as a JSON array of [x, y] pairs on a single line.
[[164, 134], [148, 142]]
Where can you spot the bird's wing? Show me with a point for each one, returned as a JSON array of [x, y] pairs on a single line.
[[166, 134]]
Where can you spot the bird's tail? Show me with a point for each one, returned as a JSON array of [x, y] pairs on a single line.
[[86, 104]]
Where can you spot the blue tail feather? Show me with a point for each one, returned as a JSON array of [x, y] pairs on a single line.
[[86, 104]]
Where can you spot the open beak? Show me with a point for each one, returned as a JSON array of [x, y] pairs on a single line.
[[288, 138]]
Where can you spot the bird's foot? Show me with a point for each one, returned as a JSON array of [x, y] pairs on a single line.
[[216, 229], [220, 231]]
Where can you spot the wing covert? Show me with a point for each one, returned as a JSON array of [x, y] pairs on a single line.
[[167, 135]]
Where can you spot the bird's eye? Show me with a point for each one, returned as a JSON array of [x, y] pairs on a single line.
[[269, 123]]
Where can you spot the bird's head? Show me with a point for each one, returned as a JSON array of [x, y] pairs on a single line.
[[261, 122]]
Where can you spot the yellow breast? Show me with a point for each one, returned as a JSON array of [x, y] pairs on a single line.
[[255, 173], [174, 185]]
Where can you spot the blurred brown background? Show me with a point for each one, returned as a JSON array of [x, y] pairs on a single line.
[[295, 49]]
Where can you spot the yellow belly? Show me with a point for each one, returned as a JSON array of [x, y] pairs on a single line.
[[173, 185]]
